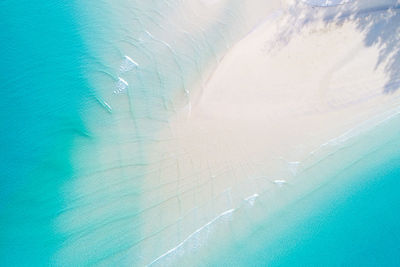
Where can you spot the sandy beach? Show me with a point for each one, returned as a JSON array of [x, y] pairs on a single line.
[[285, 95]]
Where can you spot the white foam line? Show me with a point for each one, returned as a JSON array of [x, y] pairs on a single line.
[[107, 105], [359, 129], [280, 182], [191, 235], [123, 81], [251, 197], [131, 60]]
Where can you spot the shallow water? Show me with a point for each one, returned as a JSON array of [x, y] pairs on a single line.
[[86, 87], [349, 221]]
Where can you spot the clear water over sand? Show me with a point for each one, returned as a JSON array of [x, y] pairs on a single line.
[[199, 133]]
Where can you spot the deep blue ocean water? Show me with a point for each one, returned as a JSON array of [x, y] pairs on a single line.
[[351, 221]]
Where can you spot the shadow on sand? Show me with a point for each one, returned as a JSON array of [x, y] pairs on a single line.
[[377, 20]]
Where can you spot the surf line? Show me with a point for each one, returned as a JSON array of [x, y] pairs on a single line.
[[191, 235]]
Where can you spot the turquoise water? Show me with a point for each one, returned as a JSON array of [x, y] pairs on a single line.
[[352, 220], [60, 64], [43, 88]]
